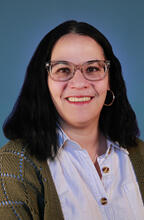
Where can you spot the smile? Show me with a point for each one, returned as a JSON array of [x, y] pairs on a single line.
[[79, 99]]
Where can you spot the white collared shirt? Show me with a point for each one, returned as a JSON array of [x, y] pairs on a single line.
[[83, 195]]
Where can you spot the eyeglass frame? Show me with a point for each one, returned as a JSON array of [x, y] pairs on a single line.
[[49, 64]]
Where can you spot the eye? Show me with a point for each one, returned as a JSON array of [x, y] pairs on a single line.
[[65, 70], [91, 69], [61, 69]]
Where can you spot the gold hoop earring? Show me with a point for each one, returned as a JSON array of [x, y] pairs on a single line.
[[113, 98]]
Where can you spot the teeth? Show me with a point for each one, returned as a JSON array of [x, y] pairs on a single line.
[[82, 99]]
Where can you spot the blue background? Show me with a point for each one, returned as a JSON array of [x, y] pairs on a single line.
[[24, 23]]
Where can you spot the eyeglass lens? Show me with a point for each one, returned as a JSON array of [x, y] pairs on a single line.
[[93, 70]]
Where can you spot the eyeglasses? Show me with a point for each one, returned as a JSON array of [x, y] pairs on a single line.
[[63, 70]]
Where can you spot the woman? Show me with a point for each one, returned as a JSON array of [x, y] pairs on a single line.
[[73, 135]]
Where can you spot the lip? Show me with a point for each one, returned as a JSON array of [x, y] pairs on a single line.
[[79, 102]]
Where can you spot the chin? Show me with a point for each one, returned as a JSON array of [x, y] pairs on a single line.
[[77, 122]]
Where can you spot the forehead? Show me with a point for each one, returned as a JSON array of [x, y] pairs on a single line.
[[76, 48]]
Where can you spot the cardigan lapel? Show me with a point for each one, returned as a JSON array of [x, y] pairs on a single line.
[[137, 158], [52, 208]]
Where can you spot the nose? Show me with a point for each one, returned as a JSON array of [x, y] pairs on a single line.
[[78, 81]]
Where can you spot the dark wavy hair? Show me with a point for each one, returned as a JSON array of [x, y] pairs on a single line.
[[34, 118]]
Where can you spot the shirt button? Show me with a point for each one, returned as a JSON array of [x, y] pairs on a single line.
[[104, 201], [105, 169]]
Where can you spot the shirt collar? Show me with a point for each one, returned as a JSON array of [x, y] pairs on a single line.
[[63, 138], [116, 145]]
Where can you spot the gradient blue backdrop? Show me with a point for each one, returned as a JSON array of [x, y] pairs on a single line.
[[24, 23]]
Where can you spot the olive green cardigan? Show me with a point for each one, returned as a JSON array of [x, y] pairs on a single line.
[[27, 190]]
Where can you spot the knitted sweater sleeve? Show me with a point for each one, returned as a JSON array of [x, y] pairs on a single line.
[[21, 187]]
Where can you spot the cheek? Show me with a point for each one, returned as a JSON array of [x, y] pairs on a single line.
[[101, 87], [56, 89], [52, 88]]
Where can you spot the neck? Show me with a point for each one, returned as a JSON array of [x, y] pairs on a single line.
[[88, 137]]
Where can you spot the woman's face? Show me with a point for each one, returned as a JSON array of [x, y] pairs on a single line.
[[78, 49]]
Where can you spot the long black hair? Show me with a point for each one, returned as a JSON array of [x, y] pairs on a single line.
[[34, 118]]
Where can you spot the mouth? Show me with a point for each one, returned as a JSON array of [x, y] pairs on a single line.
[[79, 99]]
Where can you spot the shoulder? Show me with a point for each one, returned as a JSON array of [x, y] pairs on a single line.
[[136, 155], [21, 173], [16, 163], [137, 158], [15, 155], [137, 150], [140, 146], [26, 186], [18, 166], [11, 145]]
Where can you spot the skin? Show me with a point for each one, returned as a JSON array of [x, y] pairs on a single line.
[[80, 121]]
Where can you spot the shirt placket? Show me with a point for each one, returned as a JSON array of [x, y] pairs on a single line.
[[105, 164]]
